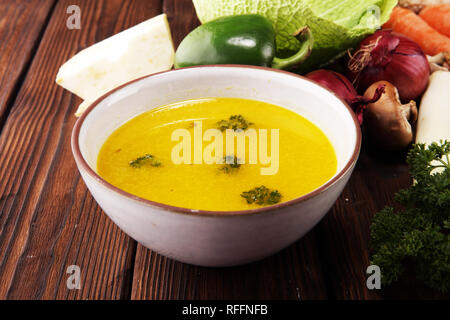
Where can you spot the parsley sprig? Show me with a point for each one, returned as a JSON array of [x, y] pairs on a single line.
[[261, 195], [417, 238]]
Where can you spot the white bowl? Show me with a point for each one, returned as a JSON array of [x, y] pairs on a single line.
[[216, 238]]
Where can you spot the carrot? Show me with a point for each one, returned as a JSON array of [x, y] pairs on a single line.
[[438, 17], [411, 25]]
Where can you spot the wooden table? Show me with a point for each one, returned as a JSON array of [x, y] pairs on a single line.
[[49, 220]]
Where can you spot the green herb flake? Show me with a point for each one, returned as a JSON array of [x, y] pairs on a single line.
[[261, 196], [146, 159], [235, 122], [231, 164], [417, 238]]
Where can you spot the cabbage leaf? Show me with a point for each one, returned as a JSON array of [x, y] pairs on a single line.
[[337, 25]]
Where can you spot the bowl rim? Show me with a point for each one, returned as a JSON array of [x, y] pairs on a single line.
[[211, 213]]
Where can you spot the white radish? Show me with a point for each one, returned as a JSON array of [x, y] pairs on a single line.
[[138, 51], [434, 113]]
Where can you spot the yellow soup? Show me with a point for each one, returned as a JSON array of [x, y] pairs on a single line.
[[189, 155]]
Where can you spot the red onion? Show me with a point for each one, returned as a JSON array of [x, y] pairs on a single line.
[[344, 89], [392, 57]]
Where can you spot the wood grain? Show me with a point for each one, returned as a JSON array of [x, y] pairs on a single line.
[[293, 274], [344, 233], [182, 18], [48, 219], [21, 27]]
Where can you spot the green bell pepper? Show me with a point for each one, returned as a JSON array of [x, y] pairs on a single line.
[[244, 39]]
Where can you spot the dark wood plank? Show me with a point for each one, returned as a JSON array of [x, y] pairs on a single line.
[[182, 18], [294, 273], [344, 233], [48, 220], [21, 25]]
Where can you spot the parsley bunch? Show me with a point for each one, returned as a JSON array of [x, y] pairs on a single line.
[[417, 238]]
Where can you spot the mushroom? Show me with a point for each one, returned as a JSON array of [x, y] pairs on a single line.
[[388, 121], [441, 61]]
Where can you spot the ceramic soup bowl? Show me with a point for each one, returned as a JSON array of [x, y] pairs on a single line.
[[216, 238]]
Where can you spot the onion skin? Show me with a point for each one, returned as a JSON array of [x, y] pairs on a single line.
[[392, 57], [344, 89], [336, 82]]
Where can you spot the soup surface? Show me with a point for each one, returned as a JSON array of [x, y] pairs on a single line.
[[143, 156]]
